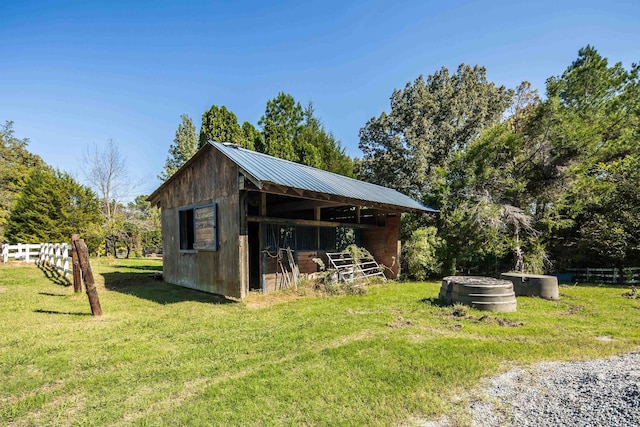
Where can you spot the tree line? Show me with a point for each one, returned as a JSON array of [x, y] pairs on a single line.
[[41, 204], [286, 130], [522, 181]]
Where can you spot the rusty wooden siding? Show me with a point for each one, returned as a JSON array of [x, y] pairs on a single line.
[[211, 178], [305, 261]]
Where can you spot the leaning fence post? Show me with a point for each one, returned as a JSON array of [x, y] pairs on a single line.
[[77, 275], [87, 275]]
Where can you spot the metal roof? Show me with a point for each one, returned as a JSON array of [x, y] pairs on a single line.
[[268, 169]]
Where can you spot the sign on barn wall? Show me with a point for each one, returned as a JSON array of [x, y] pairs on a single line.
[[206, 228]]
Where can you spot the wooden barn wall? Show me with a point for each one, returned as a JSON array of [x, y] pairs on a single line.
[[272, 277], [384, 244], [211, 178]]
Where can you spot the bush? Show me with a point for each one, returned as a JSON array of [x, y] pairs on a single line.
[[419, 253]]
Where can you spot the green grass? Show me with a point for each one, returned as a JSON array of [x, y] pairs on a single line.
[[164, 355]]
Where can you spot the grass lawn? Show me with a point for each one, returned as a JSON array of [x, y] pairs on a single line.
[[164, 355]]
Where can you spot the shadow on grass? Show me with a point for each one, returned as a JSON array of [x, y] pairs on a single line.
[[145, 285], [140, 267], [53, 275], [49, 294], [68, 313]]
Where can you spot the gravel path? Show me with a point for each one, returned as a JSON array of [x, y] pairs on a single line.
[[603, 392]]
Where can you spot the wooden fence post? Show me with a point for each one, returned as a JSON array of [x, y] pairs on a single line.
[[87, 275], [77, 275]]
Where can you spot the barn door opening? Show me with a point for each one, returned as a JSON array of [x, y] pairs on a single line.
[[255, 279]]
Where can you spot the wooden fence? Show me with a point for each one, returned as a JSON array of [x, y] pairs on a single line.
[[57, 255], [607, 275]]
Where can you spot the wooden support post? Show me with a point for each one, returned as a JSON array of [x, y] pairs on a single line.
[[77, 275], [87, 275], [317, 215], [263, 204]]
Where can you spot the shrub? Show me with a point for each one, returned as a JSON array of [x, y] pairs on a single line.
[[419, 253]]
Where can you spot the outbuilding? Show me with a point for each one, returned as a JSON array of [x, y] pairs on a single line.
[[228, 211]]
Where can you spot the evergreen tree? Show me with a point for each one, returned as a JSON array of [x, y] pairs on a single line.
[[296, 134], [319, 148], [280, 125], [16, 164], [185, 145], [598, 107], [220, 125], [51, 207], [252, 136]]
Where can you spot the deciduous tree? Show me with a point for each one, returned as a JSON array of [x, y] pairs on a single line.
[[430, 119]]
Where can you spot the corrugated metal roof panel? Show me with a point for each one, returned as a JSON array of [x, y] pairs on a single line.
[[268, 169]]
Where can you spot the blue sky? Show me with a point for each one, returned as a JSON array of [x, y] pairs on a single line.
[[74, 73]]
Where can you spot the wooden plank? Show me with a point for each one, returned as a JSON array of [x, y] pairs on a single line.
[[311, 195], [263, 204], [300, 205], [308, 222]]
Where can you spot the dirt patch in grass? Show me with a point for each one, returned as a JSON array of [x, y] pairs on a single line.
[[574, 309], [632, 294], [495, 321], [259, 300], [46, 388], [399, 323], [357, 312]]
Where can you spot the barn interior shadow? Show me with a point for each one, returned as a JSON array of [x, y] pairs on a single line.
[[146, 284]]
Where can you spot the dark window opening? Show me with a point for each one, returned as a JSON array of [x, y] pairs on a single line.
[[199, 228], [187, 229]]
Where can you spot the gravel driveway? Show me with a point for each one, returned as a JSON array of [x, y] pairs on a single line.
[[602, 392]]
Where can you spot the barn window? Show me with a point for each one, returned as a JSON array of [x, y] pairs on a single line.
[[199, 228], [186, 229]]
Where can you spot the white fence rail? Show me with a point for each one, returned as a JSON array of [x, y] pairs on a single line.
[[56, 255], [607, 275], [21, 252]]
